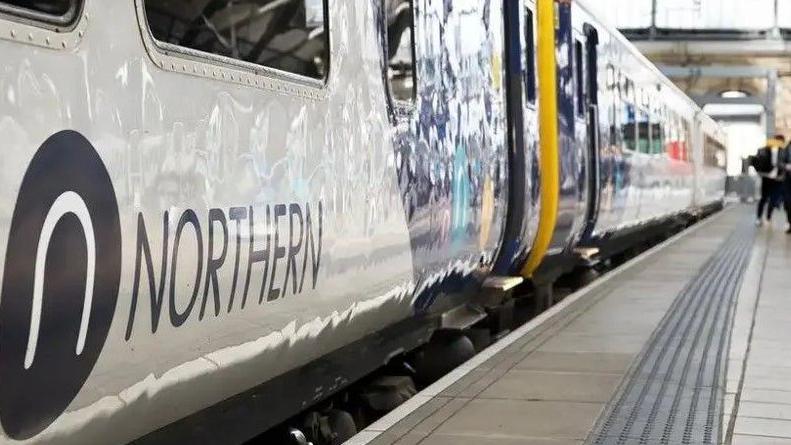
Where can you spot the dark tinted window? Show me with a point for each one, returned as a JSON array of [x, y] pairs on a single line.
[[400, 49], [530, 42], [63, 10], [714, 154], [643, 132], [592, 65], [629, 117], [578, 73], [289, 35]]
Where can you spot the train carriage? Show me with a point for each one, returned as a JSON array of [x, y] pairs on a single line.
[[267, 182]]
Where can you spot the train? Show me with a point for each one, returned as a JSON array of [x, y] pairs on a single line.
[[218, 214]]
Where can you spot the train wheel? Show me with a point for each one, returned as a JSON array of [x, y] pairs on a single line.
[[297, 437], [342, 425], [441, 355]]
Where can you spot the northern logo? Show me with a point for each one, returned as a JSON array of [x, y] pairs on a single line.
[[60, 282]]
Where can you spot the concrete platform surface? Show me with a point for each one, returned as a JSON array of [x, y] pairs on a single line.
[[562, 378]]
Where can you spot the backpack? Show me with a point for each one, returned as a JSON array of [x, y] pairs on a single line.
[[762, 161]]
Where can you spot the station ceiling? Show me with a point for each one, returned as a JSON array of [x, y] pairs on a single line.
[[702, 42], [708, 89]]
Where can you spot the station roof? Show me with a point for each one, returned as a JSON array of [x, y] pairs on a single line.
[[714, 46]]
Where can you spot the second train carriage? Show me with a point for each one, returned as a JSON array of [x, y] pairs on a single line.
[[623, 153], [271, 199], [655, 148]]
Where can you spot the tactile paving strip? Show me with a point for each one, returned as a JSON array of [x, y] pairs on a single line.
[[674, 392]]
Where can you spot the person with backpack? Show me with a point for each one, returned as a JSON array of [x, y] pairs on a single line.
[[785, 185], [767, 163]]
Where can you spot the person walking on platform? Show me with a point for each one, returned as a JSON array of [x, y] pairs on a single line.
[[767, 163], [785, 163]]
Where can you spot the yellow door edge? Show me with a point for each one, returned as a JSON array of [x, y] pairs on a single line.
[[549, 159]]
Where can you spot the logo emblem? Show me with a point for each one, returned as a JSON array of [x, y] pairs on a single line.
[[60, 282]]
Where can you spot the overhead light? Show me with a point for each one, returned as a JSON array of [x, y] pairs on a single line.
[[717, 110], [734, 94]]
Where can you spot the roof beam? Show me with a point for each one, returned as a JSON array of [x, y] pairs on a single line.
[[708, 99], [768, 101], [754, 47], [741, 118], [715, 71]]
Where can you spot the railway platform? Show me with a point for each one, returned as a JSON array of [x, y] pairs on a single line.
[[686, 344]]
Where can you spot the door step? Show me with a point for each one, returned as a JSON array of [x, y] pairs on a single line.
[[502, 284], [462, 317]]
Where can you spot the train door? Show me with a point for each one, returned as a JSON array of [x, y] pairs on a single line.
[[590, 74], [580, 131], [571, 194], [523, 196]]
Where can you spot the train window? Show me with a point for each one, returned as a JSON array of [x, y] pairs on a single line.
[[628, 88], [629, 118], [592, 65], [672, 137], [655, 128], [643, 132], [611, 82], [613, 95], [400, 50], [50, 11], [714, 153], [629, 139], [287, 35], [531, 56], [629, 129], [667, 126], [580, 82], [721, 157], [657, 138], [613, 87], [685, 140]]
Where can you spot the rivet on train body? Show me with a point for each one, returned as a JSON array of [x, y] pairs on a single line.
[[290, 242]]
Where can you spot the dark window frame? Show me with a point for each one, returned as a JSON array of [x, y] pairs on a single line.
[[579, 77], [402, 106], [62, 22], [630, 102], [227, 62], [592, 64], [531, 88]]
